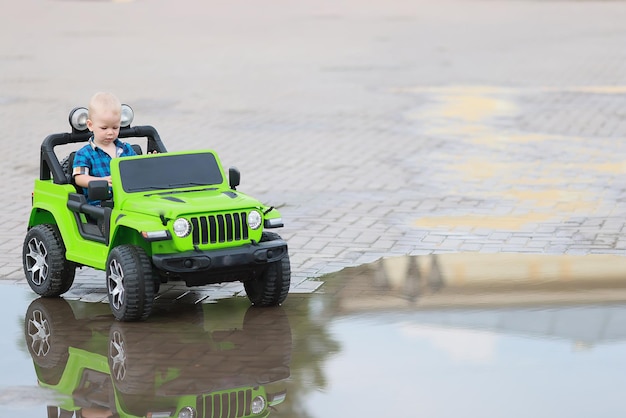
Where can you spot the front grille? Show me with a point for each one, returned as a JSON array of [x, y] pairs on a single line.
[[228, 405], [219, 228]]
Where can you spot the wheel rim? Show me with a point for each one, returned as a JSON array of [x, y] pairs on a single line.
[[117, 353], [36, 261], [115, 284], [39, 333]]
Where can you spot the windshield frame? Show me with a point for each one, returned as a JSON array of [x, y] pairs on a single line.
[[169, 171]]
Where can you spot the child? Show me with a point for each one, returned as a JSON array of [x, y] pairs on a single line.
[[92, 162]]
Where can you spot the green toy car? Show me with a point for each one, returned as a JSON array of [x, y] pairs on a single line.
[[211, 361], [169, 216]]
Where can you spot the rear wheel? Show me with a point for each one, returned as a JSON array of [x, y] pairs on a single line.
[[129, 283], [47, 271], [272, 286]]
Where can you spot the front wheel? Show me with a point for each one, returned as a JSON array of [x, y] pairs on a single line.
[[47, 271], [129, 283], [271, 287]]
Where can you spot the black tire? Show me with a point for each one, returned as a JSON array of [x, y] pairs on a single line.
[[130, 283], [156, 277], [47, 271], [272, 286], [67, 168], [269, 236]]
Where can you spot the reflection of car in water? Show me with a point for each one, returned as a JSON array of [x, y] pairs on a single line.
[[193, 367]]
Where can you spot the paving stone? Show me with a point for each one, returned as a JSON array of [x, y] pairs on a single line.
[[446, 149]]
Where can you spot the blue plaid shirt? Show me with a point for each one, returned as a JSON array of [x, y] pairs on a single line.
[[92, 160]]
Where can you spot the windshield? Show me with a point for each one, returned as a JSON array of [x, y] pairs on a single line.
[[166, 171]]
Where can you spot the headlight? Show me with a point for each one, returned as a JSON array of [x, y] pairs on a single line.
[[258, 405], [182, 227], [187, 412], [254, 219], [127, 116], [78, 118]]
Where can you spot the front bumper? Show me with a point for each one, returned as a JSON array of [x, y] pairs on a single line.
[[248, 255]]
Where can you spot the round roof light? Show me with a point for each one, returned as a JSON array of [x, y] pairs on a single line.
[[78, 118], [127, 116]]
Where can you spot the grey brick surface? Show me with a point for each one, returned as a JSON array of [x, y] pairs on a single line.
[[378, 128]]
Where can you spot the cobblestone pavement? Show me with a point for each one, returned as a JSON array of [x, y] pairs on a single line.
[[378, 128]]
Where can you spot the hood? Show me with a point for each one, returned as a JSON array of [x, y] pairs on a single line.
[[177, 203]]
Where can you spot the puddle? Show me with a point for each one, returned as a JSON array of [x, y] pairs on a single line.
[[443, 335]]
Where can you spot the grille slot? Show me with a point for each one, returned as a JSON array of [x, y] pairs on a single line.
[[212, 229], [234, 404]]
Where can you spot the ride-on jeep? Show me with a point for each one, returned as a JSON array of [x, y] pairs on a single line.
[[168, 216]]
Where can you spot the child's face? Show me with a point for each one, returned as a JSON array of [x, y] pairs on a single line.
[[105, 125]]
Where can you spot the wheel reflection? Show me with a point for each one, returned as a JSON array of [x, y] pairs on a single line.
[[209, 361]]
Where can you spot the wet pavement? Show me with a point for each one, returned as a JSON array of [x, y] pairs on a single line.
[[437, 335], [384, 129]]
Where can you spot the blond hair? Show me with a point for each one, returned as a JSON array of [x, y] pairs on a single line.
[[102, 101]]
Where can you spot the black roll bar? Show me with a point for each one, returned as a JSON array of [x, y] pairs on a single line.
[[51, 167]]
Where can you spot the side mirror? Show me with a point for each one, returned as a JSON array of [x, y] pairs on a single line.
[[234, 177], [98, 190]]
